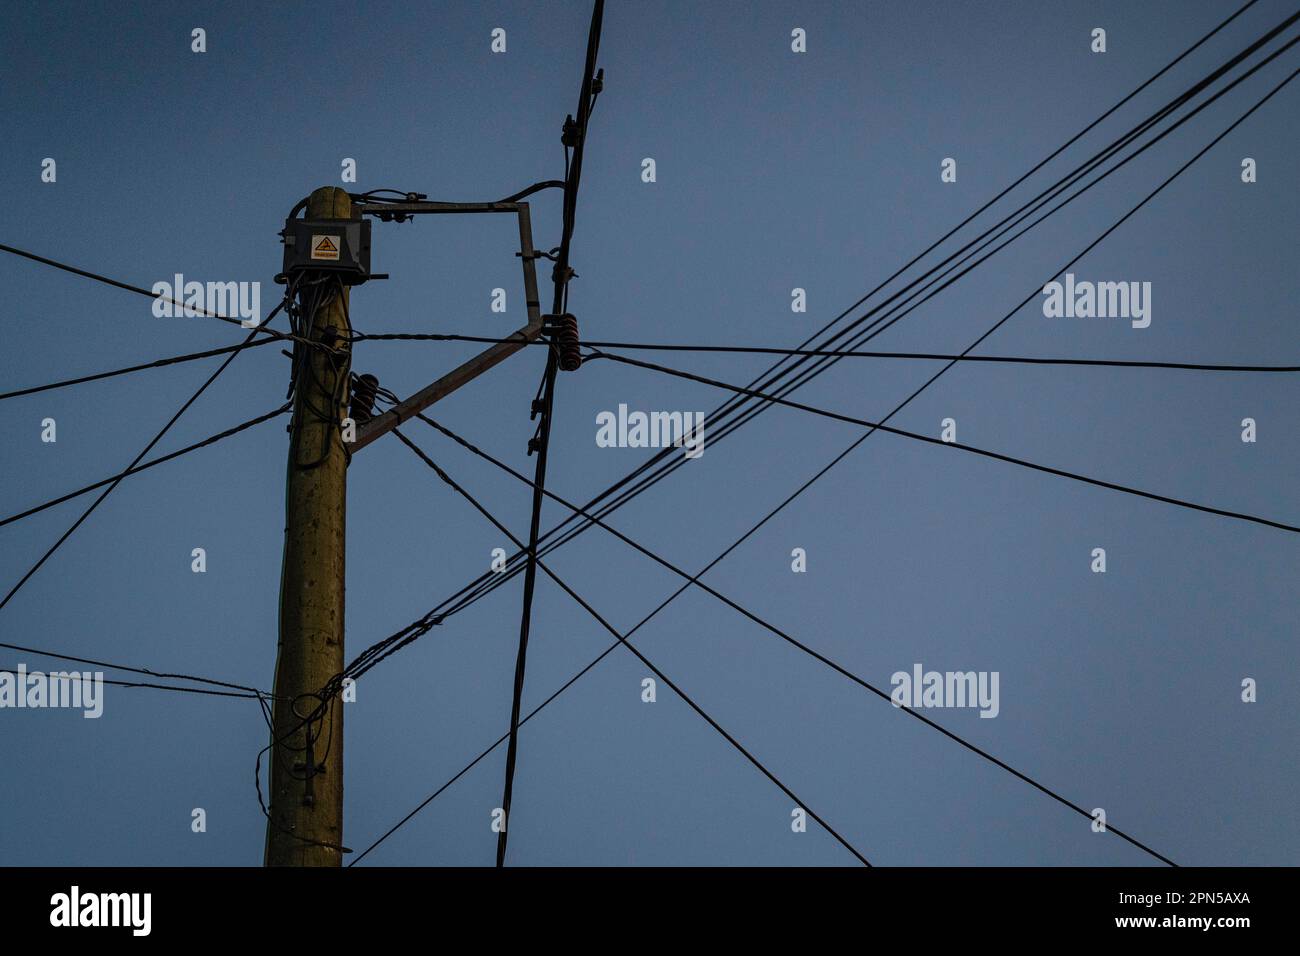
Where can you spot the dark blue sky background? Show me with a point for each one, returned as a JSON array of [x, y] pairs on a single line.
[[775, 170]]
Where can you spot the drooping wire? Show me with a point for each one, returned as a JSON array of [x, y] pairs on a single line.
[[852, 353], [112, 480], [151, 686], [157, 363], [881, 426], [257, 330], [876, 327], [160, 675]]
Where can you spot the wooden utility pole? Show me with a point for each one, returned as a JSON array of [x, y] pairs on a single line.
[[306, 757]]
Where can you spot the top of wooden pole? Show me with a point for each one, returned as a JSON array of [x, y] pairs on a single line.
[[329, 202]]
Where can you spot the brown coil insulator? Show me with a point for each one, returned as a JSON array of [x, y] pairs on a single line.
[[364, 389], [566, 337]]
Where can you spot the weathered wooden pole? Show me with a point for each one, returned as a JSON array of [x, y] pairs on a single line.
[[306, 769]]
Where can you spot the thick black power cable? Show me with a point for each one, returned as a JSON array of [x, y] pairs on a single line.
[[145, 684], [611, 505], [399, 196], [447, 479], [792, 641], [534, 188], [159, 363], [126, 668], [526, 616], [117, 284], [490, 581], [925, 356], [137, 468], [881, 426], [561, 275]]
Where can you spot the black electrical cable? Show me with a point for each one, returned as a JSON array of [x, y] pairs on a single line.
[[876, 328], [161, 675], [1094, 243], [135, 469], [881, 426], [447, 479], [117, 284], [371, 196], [534, 188], [145, 684], [762, 350], [158, 363]]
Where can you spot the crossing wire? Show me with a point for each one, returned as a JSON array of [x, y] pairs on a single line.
[[127, 286], [136, 469], [997, 456], [157, 363]]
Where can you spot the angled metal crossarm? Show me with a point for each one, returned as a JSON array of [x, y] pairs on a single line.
[[382, 424]]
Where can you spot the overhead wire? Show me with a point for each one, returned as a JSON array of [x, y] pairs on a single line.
[[157, 363], [260, 329], [916, 436], [151, 686], [126, 668], [882, 323], [763, 350], [137, 468]]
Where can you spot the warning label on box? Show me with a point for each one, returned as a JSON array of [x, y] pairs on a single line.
[[325, 247]]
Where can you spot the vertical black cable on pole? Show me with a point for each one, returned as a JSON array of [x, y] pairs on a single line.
[[559, 301]]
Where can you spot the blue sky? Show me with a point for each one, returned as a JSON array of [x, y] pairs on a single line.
[[775, 170]]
